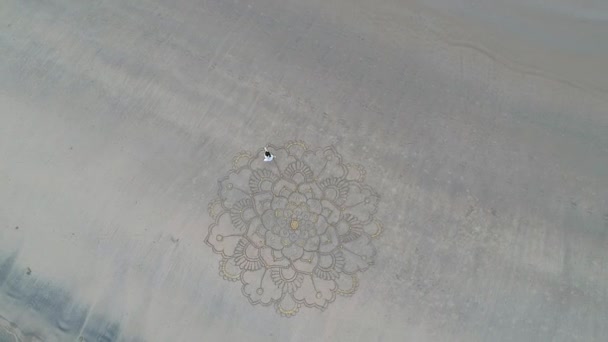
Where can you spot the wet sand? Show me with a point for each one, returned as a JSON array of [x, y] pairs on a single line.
[[481, 127]]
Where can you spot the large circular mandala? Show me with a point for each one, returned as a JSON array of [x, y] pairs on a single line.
[[295, 231]]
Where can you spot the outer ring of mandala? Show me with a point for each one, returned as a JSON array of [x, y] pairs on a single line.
[[296, 231]]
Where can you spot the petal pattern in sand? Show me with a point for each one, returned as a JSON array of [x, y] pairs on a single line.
[[296, 231]]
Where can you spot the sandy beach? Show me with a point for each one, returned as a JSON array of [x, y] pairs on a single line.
[[440, 171]]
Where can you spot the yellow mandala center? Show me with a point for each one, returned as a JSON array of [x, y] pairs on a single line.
[[294, 224]]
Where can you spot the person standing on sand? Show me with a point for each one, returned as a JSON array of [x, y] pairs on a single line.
[[267, 155]]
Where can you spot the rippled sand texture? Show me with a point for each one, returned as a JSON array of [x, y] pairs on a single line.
[[473, 136]]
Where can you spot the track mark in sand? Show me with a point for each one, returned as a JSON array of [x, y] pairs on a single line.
[[518, 67], [10, 332]]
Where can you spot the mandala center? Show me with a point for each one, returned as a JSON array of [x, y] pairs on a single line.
[[294, 224]]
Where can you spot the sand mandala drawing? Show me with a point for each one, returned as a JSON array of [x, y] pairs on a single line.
[[295, 231]]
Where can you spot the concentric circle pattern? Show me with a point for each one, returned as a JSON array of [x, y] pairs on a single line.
[[295, 231]]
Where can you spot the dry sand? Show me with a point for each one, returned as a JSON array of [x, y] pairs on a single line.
[[482, 126]]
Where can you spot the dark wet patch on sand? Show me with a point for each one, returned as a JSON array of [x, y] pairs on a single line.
[[67, 318]]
